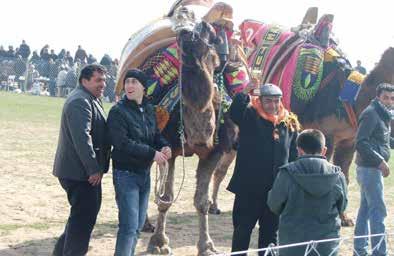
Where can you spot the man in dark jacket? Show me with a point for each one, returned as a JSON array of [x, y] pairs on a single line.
[[69, 59], [136, 142], [80, 55], [35, 59], [373, 144], [82, 157], [309, 194], [24, 50], [267, 140], [10, 54]]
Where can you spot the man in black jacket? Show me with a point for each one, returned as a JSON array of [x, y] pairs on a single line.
[[136, 142], [82, 157], [24, 50], [267, 140], [373, 144]]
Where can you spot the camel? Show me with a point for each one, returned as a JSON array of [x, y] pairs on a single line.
[[199, 110], [336, 119]]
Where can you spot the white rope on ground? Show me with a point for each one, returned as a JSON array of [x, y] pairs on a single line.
[[311, 245]]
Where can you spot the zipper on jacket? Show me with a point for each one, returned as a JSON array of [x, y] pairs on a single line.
[[144, 121]]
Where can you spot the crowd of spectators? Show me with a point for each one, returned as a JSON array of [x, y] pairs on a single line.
[[46, 72]]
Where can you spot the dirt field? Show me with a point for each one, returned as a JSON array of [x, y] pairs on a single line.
[[34, 208]]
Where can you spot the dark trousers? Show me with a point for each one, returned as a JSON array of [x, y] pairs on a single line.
[[85, 201], [247, 211]]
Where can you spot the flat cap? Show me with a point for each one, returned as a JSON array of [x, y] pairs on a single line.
[[270, 90]]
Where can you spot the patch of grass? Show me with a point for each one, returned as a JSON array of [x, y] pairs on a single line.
[[29, 108], [7, 228]]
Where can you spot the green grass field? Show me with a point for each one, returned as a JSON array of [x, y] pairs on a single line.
[[34, 208]]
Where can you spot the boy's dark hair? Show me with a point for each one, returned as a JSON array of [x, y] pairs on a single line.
[[312, 141], [88, 70], [384, 87]]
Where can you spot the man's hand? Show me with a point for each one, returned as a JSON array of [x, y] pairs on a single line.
[[95, 179], [384, 167], [167, 152], [160, 158], [252, 85]]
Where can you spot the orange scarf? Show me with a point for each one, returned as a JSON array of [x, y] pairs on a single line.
[[274, 119]]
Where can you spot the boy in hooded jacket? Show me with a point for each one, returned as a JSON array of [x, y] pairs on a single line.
[[309, 194]]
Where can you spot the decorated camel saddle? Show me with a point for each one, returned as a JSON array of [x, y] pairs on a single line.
[[298, 60], [154, 50]]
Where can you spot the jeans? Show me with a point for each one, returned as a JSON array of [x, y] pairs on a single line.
[[132, 197], [372, 209], [85, 202]]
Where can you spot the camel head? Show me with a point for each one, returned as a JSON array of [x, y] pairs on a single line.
[[383, 72], [199, 61]]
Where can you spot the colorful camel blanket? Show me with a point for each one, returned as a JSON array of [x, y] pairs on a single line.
[[162, 69], [283, 58], [351, 88]]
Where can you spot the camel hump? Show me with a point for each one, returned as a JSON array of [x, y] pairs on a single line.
[[155, 36], [179, 3]]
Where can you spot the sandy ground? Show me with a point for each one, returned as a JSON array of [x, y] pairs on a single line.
[[34, 208]]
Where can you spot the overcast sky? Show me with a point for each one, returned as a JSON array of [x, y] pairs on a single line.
[[364, 28]]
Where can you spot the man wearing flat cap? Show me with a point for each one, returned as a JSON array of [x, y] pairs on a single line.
[[137, 143], [267, 140]]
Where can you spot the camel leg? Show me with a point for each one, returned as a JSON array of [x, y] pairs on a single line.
[[218, 176], [159, 242], [343, 156], [205, 170]]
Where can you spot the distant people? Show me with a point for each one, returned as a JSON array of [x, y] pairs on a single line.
[[61, 81], [91, 59], [3, 53], [312, 190], [35, 59], [52, 75], [53, 55], [373, 143], [36, 88], [71, 79], [80, 55], [360, 68], [24, 50], [106, 61], [82, 157], [69, 59], [11, 52], [20, 69], [62, 54], [44, 53], [32, 75]]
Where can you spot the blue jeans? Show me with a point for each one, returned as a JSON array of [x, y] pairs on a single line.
[[372, 209], [132, 197]]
